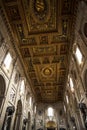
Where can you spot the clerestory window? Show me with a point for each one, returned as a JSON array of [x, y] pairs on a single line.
[[50, 111], [71, 85], [7, 61], [78, 55]]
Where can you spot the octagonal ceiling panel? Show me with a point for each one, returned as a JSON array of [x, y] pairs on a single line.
[[46, 73]]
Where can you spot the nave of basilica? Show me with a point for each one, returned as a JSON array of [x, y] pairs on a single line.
[[43, 64]]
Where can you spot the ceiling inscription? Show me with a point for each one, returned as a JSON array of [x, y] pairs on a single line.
[[44, 50]]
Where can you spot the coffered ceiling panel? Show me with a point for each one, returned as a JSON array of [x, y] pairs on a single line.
[[41, 15], [46, 73], [43, 33]]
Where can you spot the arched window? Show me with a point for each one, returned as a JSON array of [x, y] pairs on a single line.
[[64, 108], [67, 99], [78, 55], [71, 84], [50, 111], [8, 60], [30, 101], [35, 109], [22, 88]]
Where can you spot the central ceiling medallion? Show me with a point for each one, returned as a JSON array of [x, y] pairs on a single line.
[[47, 72]]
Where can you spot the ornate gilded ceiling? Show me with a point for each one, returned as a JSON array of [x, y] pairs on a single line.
[[43, 30]]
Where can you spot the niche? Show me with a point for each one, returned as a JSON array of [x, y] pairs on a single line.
[[8, 117]]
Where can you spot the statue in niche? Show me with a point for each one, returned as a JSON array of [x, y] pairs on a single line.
[[7, 123], [24, 124], [8, 117], [83, 109]]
